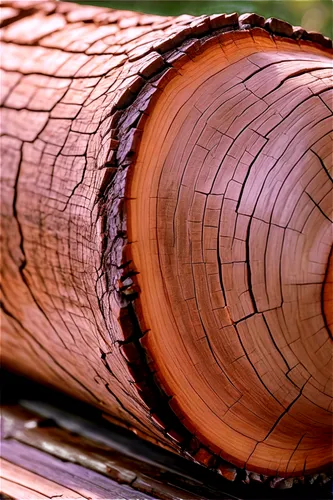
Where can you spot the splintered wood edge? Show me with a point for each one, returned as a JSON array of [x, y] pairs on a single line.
[[130, 115]]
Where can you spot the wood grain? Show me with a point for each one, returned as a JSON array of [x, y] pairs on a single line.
[[106, 465], [166, 226]]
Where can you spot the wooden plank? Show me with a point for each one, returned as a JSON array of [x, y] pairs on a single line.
[[107, 464]]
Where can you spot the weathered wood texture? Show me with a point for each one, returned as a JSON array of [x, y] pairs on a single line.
[[47, 468], [98, 467], [166, 213]]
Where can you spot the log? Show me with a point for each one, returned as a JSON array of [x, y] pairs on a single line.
[[166, 227]]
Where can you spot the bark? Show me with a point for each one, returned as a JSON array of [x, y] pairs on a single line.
[[166, 220]]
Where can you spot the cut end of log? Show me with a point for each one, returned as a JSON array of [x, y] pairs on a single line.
[[229, 224], [168, 210]]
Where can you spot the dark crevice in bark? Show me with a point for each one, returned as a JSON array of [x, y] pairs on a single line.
[[330, 257]]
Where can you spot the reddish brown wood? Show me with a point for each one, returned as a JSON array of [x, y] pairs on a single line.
[[166, 212]]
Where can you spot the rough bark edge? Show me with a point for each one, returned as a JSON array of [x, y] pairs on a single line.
[[129, 116]]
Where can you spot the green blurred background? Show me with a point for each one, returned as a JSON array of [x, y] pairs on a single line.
[[313, 15]]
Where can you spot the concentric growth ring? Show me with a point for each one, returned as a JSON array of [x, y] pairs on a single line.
[[230, 210]]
